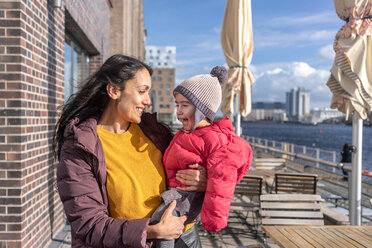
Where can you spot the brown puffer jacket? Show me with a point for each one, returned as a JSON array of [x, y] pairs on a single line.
[[81, 177]]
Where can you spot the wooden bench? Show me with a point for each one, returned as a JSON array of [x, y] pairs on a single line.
[[269, 163], [334, 217], [250, 187], [295, 183], [291, 209]]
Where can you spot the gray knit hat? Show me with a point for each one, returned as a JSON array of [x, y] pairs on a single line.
[[204, 91]]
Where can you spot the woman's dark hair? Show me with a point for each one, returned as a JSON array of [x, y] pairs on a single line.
[[345, 147], [92, 98]]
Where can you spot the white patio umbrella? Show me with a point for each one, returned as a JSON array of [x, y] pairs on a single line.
[[351, 82], [237, 45]]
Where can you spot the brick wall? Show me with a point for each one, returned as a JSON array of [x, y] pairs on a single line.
[[31, 82], [90, 26], [32, 37]]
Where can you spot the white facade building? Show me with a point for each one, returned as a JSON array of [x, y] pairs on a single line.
[[319, 115], [268, 111], [161, 56]]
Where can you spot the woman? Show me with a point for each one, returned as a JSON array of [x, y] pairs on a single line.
[[110, 174], [346, 156]]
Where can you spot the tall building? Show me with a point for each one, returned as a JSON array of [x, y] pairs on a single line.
[[298, 104], [162, 60], [47, 48]]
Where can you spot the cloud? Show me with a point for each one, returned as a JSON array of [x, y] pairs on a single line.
[[296, 30], [327, 52], [274, 71], [209, 44], [217, 30], [273, 80], [319, 18], [301, 69], [269, 38]]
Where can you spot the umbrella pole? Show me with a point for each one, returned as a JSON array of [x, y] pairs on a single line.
[[356, 175], [238, 116]]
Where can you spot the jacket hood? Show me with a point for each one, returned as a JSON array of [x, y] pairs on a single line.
[[224, 125], [83, 133]]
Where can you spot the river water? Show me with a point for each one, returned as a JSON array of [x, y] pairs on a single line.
[[329, 137]]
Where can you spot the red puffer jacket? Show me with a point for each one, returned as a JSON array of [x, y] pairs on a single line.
[[226, 157]]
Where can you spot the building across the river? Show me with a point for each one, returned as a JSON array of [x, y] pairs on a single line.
[[268, 111], [298, 104]]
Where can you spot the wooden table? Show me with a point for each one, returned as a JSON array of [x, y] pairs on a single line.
[[320, 236]]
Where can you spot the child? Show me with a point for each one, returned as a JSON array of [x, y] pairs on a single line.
[[213, 145]]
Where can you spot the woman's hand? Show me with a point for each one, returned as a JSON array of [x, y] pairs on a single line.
[[195, 178], [169, 226]]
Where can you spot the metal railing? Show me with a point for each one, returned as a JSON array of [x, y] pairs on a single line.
[[323, 159], [327, 159]]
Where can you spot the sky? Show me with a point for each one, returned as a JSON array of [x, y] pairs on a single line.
[[292, 42]]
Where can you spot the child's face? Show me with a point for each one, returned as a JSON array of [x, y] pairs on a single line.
[[185, 112]]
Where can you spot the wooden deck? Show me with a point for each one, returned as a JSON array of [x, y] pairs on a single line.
[[324, 236], [241, 231]]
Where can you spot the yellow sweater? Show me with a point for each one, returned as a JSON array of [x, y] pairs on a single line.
[[135, 173]]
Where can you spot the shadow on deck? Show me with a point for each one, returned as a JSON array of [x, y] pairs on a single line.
[[240, 232]]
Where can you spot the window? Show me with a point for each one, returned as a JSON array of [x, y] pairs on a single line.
[[171, 99], [159, 92], [164, 106], [171, 72], [161, 99], [159, 71], [168, 89], [68, 71], [170, 79], [161, 86], [76, 66]]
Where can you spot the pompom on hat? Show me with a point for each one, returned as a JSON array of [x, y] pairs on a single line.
[[204, 92]]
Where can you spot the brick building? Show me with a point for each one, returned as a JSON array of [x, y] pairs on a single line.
[[45, 51], [163, 60], [162, 89]]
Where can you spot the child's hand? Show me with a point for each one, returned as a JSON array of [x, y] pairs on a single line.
[[195, 178]]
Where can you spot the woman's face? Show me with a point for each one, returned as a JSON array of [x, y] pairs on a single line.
[[185, 112], [132, 101]]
